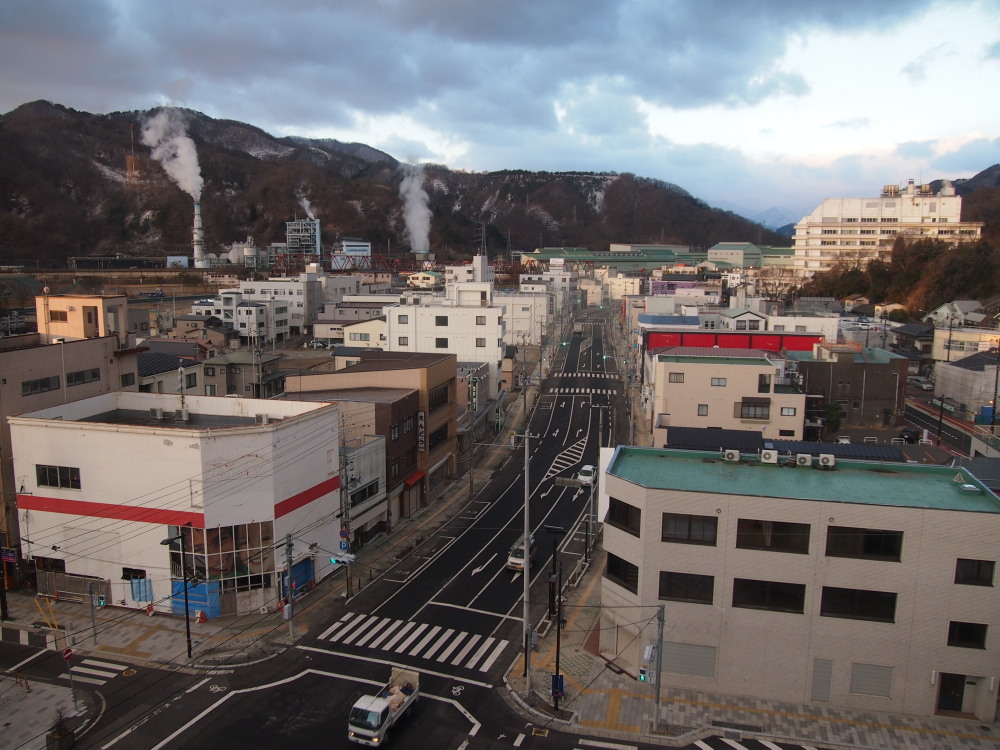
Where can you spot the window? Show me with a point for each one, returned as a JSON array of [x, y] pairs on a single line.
[[360, 337], [786, 433], [49, 563], [719, 382], [771, 595], [394, 431], [209, 390], [686, 587], [437, 398], [623, 516], [622, 572], [234, 370], [741, 325], [40, 385], [481, 343], [440, 343], [190, 379], [675, 377], [480, 320], [871, 544], [754, 408], [209, 372], [408, 424], [858, 604], [65, 477], [128, 379], [83, 376], [394, 467], [689, 529], [974, 572], [367, 492], [753, 325], [788, 411], [438, 437], [58, 316], [966, 634], [131, 574], [440, 320], [404, 340], [404, 319], [775, 536], [239, 557], [702, 410]]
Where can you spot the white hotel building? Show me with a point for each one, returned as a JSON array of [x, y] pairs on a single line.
[[103, 481], [854, 231], [832, 583]]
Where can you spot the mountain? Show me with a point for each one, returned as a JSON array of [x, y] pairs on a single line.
[[65, 190]]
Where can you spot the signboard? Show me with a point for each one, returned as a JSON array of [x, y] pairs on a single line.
[[421, 431], [344, 545], [556, 262], [67, 654], [8, 554], [357, 249], [474, 395]]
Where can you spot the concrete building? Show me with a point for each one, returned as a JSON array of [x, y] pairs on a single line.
[[256, 323], [729, 389], [248, 374], [972, 382], [107, 479], [853, 231], [862, 585]]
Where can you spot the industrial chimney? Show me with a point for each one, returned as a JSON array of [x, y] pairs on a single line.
[[198, 239]]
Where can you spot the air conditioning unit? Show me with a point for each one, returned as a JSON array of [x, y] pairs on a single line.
[[803, 459], [828, 460], [731, 455], [261, 418], [156, 413], [182, 415], [769, 457]]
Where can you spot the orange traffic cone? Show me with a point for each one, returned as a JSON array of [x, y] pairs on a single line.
[[200, 616]]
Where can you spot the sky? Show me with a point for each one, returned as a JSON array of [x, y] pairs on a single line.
[[746, 104]]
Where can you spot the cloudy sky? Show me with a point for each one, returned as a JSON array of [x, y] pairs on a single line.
[[747, 104]]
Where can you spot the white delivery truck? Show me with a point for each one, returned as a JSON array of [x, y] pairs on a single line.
[[372, 716]]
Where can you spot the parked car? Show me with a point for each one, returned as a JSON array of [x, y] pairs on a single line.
[[910, 434], [922, 384]]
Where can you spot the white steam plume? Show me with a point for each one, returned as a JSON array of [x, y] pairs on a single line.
[[306, 205], [166, 133], [416, 209]]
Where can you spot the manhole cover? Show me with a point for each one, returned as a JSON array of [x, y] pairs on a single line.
[[128, 673]]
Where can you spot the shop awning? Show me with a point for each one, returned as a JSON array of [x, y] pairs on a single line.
[[413, 478]]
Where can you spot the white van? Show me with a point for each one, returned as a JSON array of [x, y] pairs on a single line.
[[515, 558]]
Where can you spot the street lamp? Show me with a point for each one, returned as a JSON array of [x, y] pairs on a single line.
[[187, 619], [555, 607]]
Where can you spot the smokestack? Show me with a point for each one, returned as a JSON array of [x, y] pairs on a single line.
[[198, 239]]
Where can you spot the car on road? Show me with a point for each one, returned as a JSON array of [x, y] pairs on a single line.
[[910, 434], [922, 384], [587, 474]]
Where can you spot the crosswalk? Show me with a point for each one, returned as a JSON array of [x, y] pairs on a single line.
[[724, 743], [580, 391], [94, 671], [585, 374], [435, 642]]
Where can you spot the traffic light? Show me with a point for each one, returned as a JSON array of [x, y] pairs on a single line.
[[100, 600], [642, 674], [342, 558]]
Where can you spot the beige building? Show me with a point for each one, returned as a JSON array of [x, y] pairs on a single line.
[[856, 230], [836, 584], [730, 389]]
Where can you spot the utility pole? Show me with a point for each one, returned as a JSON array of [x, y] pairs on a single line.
[[93, 616], [659, 660], [526, 575], [290, 588]]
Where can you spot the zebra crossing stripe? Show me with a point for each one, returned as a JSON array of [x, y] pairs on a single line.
[[360, 629], [427, 639], [480, 652], [341, 627], [400, 634], [454, 644], [413, 636], [484, 667], [106, 664], [439, 643], [386, 633], [373, 632], [467, 649], [102, 671]]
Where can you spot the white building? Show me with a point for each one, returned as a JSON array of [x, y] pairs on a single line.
[[253, 321], [848, 584], [857, 230], [105, 480]]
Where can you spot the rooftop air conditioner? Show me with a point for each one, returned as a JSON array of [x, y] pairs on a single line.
[[803, 459], [182, 415], [827, 460], [731, 455], [156, 413], [769, 457], [261, 418]]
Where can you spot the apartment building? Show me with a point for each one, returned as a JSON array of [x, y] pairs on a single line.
[[112, 486], [248, 374], [862, 585], [855, 231], [730, 389]]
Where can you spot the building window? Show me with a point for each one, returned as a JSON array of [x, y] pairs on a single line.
[[83, 376], [753, 325], [967, 634], [675, 377], [408, 424], [870, 544], [440, 343], [481, 343], [623, 516], [689, 529], [480, 320], [190, 380], [702, 410], [741, 325], [974, 572], [367, 492], [360, 337], [758, 408], [858, 604], [437, 398], [239, 557], [441, 320], [622, 572], [394, 431], [209, 372], [210, 390], [404, 340], [58, 316], [49, 563], [719, 382], [770, 595], [775, 536], [128, 379], [438, 437], [687, 587], [788, 411], [403, 319], [40, 385], [64, 477]]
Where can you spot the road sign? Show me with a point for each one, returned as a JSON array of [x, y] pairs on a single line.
[[343, 533], [67, 654], [344, 545]]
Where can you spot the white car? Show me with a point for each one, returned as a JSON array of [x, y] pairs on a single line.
[[587, 474]]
